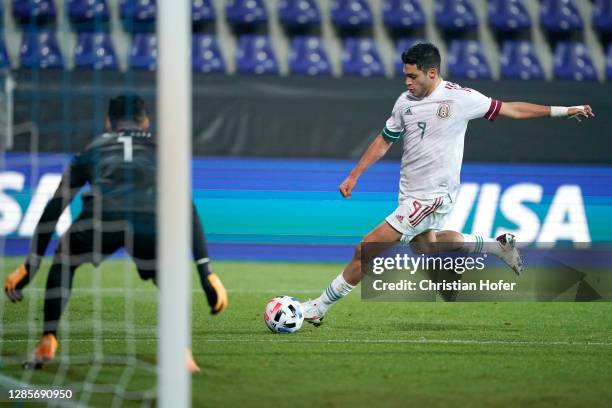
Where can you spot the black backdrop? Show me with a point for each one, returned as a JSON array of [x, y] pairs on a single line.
[[310, 117]]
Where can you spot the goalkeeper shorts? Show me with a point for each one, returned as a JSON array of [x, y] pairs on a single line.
[[89, 241]]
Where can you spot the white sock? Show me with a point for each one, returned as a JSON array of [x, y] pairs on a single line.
[[336, 290], [477, 244]]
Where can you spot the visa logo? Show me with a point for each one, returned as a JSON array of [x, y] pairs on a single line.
[[565, 219]]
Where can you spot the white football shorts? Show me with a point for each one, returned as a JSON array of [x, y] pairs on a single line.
[[415, 216]]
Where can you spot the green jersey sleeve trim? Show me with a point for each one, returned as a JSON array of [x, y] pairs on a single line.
[[390, 135]]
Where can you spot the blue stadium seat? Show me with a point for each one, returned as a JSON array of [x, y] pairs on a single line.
[[602, 16], [308, 57], [361, 57], [246, 13], [403, 14], [559, 16], [351, 14], [454, 15], [5, 62], [39, 49], [573, 62], [508, 15], [85, 11], [143, 52], [138, 15], [206, 56], [299, 13], [609, 63], [255, 55], [36, 12], [402, 45], [519, 60], [202, 12], [466, 60], [95, 51]]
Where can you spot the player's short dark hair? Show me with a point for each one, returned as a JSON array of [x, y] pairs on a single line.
[[423, 55], [126, 108]]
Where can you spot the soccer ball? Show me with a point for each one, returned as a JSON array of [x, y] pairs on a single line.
[[284, 314]]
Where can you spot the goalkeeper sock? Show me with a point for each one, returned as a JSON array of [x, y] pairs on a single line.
[[57, 294], [477, 244], [336, 290]]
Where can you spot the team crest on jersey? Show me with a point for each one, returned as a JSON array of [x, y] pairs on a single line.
[[444, 110]]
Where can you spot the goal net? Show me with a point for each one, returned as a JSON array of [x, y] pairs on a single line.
[[117, 345]]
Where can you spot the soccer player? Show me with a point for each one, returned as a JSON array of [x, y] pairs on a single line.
[[119, 211], [432, 117]]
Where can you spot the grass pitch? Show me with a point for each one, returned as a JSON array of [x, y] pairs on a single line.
[[366, 354]]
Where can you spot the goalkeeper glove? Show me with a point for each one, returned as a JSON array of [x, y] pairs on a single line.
[[15, 282], [215, 293]]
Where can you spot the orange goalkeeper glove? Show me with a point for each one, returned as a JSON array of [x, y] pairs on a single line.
[[215, 293], [15, 282]]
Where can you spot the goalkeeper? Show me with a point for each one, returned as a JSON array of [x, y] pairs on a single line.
[[119, 211]]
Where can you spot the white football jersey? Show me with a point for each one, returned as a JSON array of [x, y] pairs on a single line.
[[433, 129]]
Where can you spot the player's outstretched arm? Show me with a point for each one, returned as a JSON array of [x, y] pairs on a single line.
[[373, 153], [524, 110]]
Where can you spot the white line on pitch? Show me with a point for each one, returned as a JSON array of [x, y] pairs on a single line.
[[77, 291], [418, 341], [356, 341]]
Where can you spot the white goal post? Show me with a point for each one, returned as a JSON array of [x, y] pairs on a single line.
[[174, 201]]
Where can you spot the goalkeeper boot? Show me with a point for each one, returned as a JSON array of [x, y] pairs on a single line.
[[15, 282], [44, 352], [313, 312], [509, 253]]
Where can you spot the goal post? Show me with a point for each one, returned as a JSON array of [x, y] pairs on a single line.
[[174, 206]]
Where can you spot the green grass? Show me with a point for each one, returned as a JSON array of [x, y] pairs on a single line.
[[367, 353]]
